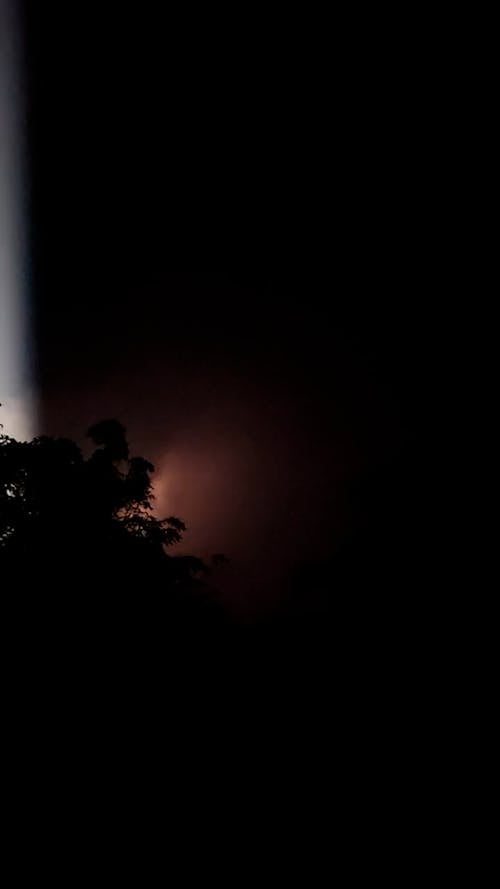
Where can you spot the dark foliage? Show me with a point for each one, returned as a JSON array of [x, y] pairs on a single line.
[[78, 531]]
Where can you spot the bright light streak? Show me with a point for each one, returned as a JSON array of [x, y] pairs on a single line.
[[17, 412]]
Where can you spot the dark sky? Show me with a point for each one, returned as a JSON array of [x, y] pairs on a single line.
[[232, 254]]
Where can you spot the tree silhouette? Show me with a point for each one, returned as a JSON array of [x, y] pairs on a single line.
[[70, 517]]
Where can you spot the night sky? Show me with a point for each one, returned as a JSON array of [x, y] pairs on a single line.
[[249, 241], [231, 253]]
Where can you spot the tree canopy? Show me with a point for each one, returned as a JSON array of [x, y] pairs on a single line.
[[67, 516]]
